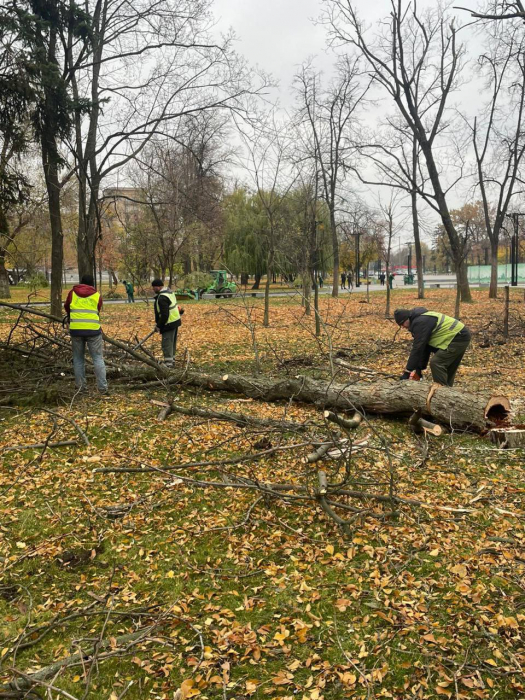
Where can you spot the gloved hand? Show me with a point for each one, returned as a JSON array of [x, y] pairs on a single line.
[[181, 310], [405, 375]]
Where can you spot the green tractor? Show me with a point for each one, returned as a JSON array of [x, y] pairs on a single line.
[[220, 286]]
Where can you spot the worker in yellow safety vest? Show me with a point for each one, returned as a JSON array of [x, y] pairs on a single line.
[[167, 319], [83, 305], [433, 332]]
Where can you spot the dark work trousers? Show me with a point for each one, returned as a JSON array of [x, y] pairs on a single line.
[[445, 363], [169, 344]]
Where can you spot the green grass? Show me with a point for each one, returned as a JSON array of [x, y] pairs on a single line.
[[372, 603]]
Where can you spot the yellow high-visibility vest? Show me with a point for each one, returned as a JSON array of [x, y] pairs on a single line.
[[445, 331], [174, 309], [83, 313]]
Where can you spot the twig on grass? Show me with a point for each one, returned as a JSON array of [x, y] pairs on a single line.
[[72, 422]]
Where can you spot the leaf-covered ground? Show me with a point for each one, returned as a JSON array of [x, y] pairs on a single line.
[[231, 594]]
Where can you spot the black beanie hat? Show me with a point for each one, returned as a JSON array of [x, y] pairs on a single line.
[[157, 282], [401, 315], [88, 279]]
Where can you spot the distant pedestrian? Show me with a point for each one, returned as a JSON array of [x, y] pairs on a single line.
[[350, 280], [321, 280], [343, 280], [391, 280], [130, 291], [382, 278], [83, 306]]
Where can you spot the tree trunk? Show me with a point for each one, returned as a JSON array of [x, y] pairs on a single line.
[[462, 281], [455, 408], [90, 232], [335, 254], [257, 282], [269, 275], [316, 306], [5, 292], [415, 223], [455, 243], [493, 289], [419, 253], [307, 296], [50, 161]]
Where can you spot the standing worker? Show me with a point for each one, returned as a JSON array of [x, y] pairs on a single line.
[[130, 291], [443, 335], [167, 319], [343, 280], [391, 278], [83, 305]]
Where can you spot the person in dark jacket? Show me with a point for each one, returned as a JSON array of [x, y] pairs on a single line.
[[83, 305], [167, 319], [130, 291], [436, 333]]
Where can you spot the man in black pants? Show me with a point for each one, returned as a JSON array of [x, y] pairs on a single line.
[[434, 332]]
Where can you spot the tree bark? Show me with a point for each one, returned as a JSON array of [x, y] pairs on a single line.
[[455, 408], [415, 223], [50, 160], [493, 289], [269, 275], [335, 254], [5, 292], [257, 282]]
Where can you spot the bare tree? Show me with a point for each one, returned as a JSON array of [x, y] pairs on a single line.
[[149, 63], [330, 116], [394, 220], [499, 10], [416, 60], [497, 136], [269, 165]]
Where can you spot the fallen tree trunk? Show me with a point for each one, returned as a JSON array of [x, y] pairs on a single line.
[[455, 408]]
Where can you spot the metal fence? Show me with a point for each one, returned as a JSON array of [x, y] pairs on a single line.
[[481, 274]]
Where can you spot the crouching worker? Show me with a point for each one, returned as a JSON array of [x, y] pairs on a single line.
[[167, 319], [83, 305], [436, 333]]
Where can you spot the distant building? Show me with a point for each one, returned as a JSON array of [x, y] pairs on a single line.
[[124, 203]]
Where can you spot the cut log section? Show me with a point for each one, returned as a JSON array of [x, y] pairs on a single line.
[[347, 423], [508, 438], [420, 425]]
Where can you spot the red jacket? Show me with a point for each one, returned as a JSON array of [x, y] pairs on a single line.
[[82, 290]]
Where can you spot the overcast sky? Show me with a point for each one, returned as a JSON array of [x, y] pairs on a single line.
[[277, 35]]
